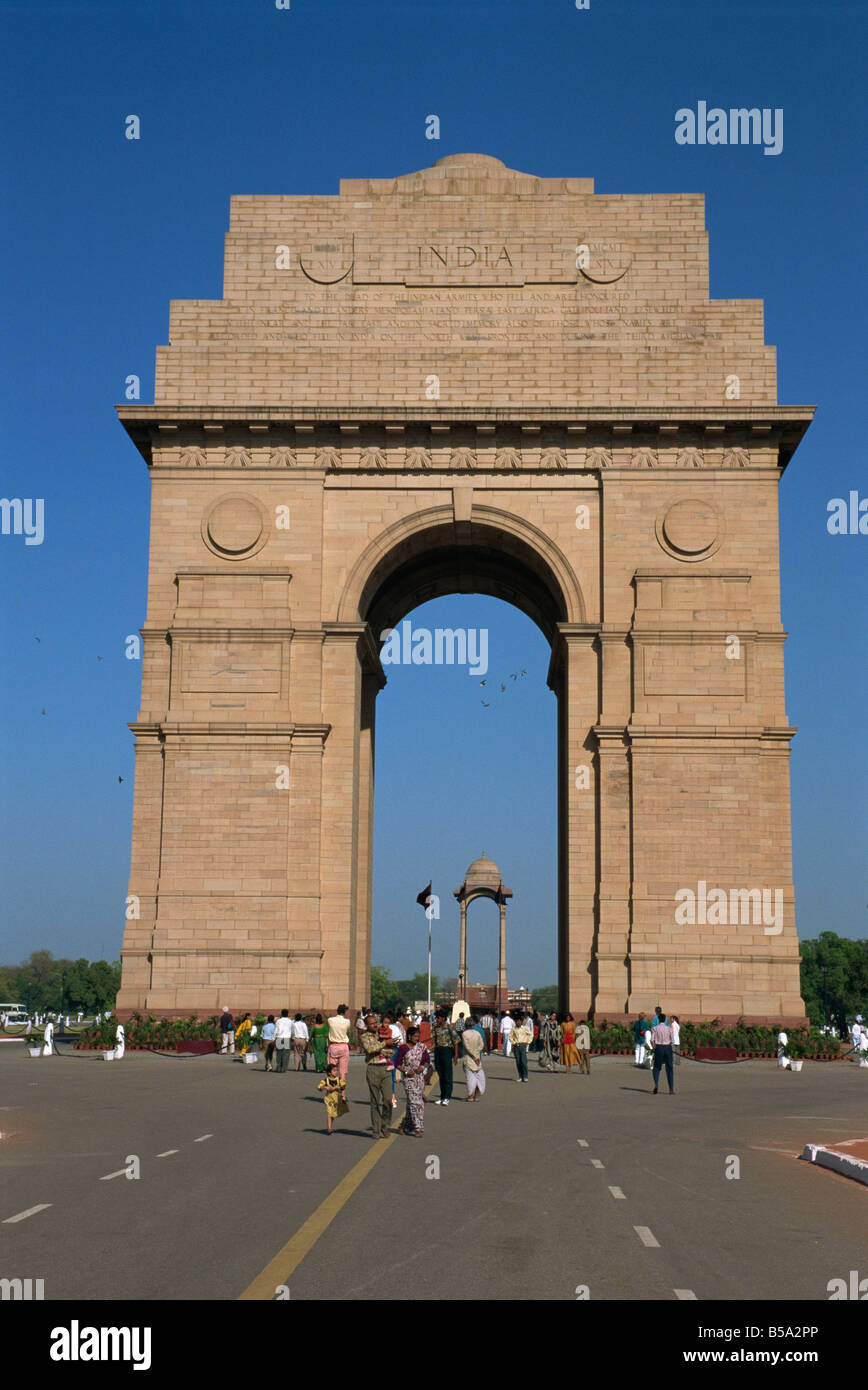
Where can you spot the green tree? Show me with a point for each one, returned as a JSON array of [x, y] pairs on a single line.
[[105, 980], [382, 989], [544, 999], [846, 974], [408, 991]]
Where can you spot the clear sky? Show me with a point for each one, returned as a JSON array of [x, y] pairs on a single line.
[[98, 233]]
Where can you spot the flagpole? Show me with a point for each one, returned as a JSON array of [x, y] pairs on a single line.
[[428, 915]]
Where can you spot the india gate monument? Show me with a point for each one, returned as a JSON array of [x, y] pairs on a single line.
[[465, 379]]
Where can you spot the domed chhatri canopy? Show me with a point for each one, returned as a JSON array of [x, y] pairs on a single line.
[[483, 880]]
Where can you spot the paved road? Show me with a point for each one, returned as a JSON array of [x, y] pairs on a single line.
[[563, 1183]]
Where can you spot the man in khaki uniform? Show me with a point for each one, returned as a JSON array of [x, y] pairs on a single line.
[[377, 1052]]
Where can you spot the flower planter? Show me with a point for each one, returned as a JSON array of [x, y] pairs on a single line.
[[796, 1064], [251, 1058], [109, 1056], [35, 1051]]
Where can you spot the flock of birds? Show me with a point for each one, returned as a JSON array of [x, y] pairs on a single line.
[[99, 658], [513, 676]]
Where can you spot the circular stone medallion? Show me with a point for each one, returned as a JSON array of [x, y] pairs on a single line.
[[690, 529], [233, 527]]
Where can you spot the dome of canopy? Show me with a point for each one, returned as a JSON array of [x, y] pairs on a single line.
[[482, 877], [483, 873]]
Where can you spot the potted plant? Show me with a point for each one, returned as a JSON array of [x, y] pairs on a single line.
[[796, 1053]]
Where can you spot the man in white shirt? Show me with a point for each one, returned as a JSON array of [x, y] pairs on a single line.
[[507, 1023], [48, 1040], [283, 1040], [300, 1039], [783, 1040], [676, 1040]]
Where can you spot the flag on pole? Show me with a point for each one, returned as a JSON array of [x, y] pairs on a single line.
[[499, 896], [424, 897]]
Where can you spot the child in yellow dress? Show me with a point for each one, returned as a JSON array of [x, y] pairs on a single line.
[[333, 1089]]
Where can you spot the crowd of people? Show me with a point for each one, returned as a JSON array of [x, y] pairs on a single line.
[[395, 1052]]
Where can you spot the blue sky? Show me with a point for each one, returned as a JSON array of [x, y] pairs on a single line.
[[98, 233]]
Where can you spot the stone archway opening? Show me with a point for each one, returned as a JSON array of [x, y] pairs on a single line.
[[442, 560]]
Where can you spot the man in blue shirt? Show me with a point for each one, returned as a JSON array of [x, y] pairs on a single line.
[[268, 1039]]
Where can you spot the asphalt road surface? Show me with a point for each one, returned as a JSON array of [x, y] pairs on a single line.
[[566, 1185]]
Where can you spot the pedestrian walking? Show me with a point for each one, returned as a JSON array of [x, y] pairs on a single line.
[[120, 1042], [458, 1025], [783, 1043], [243, 1035], [414, 1061], [639, 1028], [550, 1042], [487, 1022], [472, 1048], [676, 1039], [661, 1038], [378, 1074], [339, 1041], [48, 1039], [319, 1036], [569, 1052], [333, 1088], [268, 1039], [583, 1046], [522, 1037], [300, 1042], [507, 1023], [283, 1040], [227, 1032], [443, 1038]]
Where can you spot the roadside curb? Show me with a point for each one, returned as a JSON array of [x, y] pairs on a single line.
[[847, 1164]]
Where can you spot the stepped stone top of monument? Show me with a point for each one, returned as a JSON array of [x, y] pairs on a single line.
[[467, 285]]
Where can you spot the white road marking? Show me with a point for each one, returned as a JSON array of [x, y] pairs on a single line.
[[22, 1215], [646, 1237], [616, 1192], [595, 1163], [582, 1143], [118, 1174], [202, 1138], [684, 1294], [168, 1151]]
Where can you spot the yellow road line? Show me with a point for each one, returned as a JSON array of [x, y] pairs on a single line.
[[287, 1260]]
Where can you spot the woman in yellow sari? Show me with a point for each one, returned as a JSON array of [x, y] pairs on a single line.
[[242, 1035]]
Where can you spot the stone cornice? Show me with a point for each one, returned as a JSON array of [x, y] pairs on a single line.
[[387, 440]]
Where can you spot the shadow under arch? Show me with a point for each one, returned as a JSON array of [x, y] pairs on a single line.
[[431, 554]]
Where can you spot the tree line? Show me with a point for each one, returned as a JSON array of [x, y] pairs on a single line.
[[44, 984]]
